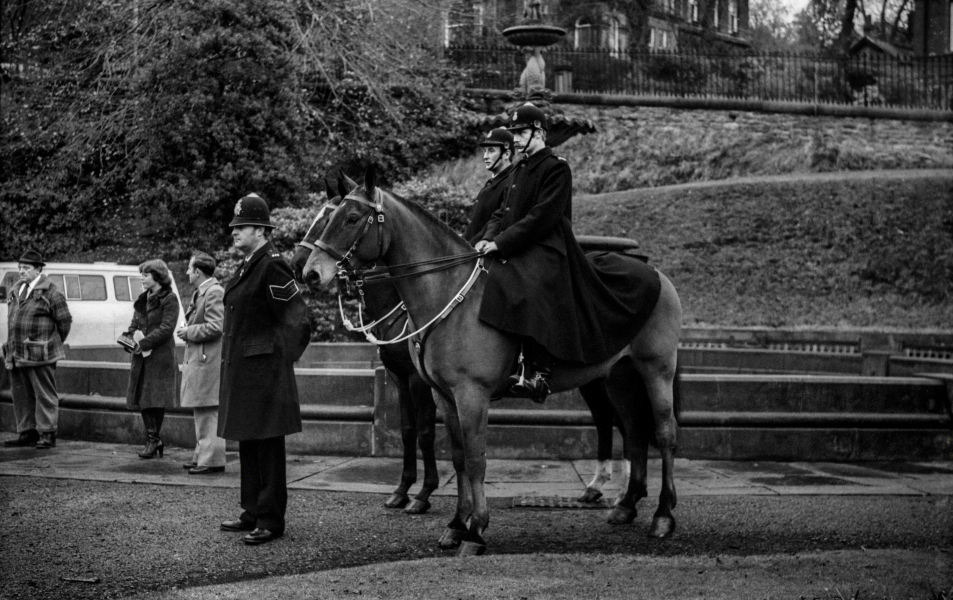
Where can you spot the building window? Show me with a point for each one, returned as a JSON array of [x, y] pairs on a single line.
[[951, 26], [732, 16], [614, 34], [660, 39], [478, 16], [582, 34], [692, 11], [714, 22]]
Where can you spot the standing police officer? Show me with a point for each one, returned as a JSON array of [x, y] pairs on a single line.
[[497, 156], [266, 330]]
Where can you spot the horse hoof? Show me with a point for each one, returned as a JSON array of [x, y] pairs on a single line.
[[662, 527], [471, 549], [621, 515], [590, 495], [397, 501], [417, 507], [451, 539]]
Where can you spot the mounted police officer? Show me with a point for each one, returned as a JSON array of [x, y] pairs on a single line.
[[497, 156], [541, 287], [266, 330]]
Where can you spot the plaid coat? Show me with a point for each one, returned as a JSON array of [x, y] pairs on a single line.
[[37, 327]]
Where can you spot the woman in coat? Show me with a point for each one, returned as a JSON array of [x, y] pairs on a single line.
[[202, 367], [152, 379]]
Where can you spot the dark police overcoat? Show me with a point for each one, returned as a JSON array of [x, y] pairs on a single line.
[[542, 286], [265, 332], [487, 201]]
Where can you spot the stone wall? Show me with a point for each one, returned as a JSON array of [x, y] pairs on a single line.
[[920, 137]]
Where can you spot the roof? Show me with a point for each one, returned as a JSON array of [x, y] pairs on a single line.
[[879, 46]]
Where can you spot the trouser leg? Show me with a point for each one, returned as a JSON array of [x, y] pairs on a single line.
[[24, 400], [209, 448], [264, 491], [47, 401]]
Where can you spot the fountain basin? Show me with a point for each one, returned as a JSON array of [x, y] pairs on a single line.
[[533, 35]]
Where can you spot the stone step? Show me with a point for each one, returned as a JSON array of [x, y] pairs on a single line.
[[706, 392]]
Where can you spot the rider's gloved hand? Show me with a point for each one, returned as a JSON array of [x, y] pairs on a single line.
[[486, 247]]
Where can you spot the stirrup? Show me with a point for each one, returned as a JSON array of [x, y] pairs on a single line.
[[535, 387]]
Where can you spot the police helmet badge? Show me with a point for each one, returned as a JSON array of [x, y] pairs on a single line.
[[238, 207]]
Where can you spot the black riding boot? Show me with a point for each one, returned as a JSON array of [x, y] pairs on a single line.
[[152, 419], [532, 384]]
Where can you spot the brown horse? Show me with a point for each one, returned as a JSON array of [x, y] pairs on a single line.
[[418, 418], [418, 412], [469, 362]]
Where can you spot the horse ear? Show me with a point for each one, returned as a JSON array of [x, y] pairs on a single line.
[[351, 184], [342, 187], [328, 188], [370, 180]]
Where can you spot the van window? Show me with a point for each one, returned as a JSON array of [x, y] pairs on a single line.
[[127, 288], [10, 279], [80, 287]]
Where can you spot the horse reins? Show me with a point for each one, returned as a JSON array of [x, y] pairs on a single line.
[[359, 277]]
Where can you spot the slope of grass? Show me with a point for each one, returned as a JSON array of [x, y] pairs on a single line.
[[857, 250]]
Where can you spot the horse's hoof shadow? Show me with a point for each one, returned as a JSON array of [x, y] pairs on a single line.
[[417, 507]]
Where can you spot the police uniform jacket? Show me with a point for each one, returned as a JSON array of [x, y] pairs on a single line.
[[487, 202], [152, 379], [265, 332], [202, 365], [542, 286]]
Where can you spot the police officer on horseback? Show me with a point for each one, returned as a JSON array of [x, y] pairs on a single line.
[[541, 287], [497, 156]]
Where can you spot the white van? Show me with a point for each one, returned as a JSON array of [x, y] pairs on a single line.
[[99, 296]]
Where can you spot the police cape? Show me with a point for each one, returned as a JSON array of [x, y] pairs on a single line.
[[541, 285]]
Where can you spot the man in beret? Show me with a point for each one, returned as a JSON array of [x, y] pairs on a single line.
[[38, 323], [266, 329], [497, 156]]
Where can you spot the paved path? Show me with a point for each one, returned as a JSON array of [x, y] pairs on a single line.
[[527, 481]]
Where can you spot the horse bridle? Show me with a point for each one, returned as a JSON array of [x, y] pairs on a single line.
[[343, 260]]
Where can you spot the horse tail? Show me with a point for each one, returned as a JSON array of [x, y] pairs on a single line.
[[677, 392]]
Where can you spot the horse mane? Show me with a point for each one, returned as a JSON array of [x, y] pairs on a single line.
[[423, 213]]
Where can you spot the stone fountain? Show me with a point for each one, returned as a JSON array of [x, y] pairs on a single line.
[[532, 35]]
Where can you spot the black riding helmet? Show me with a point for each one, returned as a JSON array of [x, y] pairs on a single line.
[[502, 139], [528, 116]]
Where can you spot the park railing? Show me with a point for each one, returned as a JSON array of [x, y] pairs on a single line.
[[860, 80]]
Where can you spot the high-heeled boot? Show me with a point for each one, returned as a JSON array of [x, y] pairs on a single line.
[[154, 444]]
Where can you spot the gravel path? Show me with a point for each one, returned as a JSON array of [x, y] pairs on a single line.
[[132, 539]]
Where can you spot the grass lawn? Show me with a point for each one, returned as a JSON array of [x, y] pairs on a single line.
[[871, 249]]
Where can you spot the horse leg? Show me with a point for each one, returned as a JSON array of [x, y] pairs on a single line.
[[662, 389], [408, 438], [457, 528], [597, 399], [473, 406], [627, 392], [425, 412]]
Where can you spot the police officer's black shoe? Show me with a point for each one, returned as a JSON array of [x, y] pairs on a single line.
[[534, 387]]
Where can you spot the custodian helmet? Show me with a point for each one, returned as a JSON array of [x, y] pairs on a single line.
[[251, 210]]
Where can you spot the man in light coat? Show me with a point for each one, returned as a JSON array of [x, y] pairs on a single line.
[[201, 370], [38, 321]]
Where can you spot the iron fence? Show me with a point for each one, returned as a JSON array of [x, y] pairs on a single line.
[[863, 79]]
